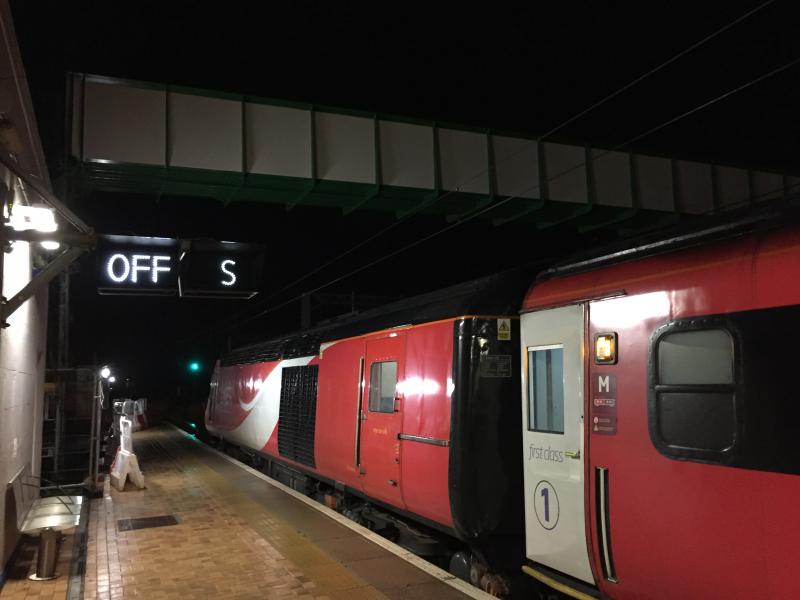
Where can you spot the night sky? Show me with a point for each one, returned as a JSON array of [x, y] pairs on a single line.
[[523, 69]]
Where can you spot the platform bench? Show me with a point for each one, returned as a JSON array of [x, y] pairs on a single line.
[[35, 514]]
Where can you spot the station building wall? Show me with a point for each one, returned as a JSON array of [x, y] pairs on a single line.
[[22, 362], [23, 342]]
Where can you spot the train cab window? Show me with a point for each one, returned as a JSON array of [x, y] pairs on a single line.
[[692, 405], [382, 385], [546, 389]]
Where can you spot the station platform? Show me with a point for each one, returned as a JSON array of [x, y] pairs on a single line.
[[207, 526]]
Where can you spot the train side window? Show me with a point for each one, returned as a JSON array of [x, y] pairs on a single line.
[[692, 407], [546, 389], [382, 385], [696, 357]]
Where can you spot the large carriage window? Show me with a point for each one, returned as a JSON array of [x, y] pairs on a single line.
[[693, 409], [382, 384], [546, 389]]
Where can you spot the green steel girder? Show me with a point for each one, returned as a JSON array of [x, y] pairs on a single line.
[[371, 195], [228, 187]]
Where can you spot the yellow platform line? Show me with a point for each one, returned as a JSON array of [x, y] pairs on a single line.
[[556, 585]]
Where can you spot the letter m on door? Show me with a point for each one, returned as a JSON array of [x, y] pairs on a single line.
[[605, 384]]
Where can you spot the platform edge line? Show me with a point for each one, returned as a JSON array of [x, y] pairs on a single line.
[[409, 557]]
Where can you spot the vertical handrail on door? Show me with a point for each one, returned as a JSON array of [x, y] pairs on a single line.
[[358, 412], [603, 524]]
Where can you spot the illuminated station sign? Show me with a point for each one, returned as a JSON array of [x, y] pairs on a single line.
[[221, 270], [137, 265], [134, 265]]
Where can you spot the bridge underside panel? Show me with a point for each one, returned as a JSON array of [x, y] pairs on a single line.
[[142, 137]]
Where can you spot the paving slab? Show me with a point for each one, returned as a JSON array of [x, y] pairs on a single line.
[[235, 536]]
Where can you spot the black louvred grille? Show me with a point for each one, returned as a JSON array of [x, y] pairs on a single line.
[[298, 414]]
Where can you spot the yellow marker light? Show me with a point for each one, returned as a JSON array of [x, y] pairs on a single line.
[[605, 348]]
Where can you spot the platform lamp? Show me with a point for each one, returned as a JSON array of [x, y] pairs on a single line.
[[105, 381], [36, 218], [108, 377]]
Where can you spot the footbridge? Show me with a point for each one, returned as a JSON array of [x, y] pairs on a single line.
[[138, 136]]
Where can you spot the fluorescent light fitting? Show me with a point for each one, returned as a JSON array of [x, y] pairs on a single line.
[[38, 218]]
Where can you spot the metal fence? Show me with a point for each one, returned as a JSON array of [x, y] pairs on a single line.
[[71, 427]]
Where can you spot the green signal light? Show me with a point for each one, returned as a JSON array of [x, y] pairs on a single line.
[[194, 366]]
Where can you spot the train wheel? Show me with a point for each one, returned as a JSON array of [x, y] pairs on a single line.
[[460, 566]]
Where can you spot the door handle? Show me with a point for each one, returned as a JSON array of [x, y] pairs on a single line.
[[576, 455]]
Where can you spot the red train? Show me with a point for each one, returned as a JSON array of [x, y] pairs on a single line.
[[411, 410], [658, 455], [664, 390]]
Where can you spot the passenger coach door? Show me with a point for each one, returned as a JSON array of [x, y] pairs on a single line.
[[552, 430], [381, 419]]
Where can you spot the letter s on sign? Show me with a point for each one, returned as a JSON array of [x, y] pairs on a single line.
[[230, 274]]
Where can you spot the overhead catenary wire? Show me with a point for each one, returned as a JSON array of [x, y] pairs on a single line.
[[438, 197], [296, 298], [655, 70], [504, 201]]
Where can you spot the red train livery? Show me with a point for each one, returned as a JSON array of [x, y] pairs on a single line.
[[412, 409], [663, 392], [651, 450]]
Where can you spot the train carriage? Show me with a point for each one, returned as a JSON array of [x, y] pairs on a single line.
[[660, 422], [412, 410], [658, 455]]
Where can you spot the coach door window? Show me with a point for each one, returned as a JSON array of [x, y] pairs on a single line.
[[546, 389], [382, 384], [692, 409]]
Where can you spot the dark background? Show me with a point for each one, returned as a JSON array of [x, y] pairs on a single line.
[[521, 68]]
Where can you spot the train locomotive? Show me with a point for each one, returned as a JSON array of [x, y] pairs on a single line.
[[405, 418], [625, 428]]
